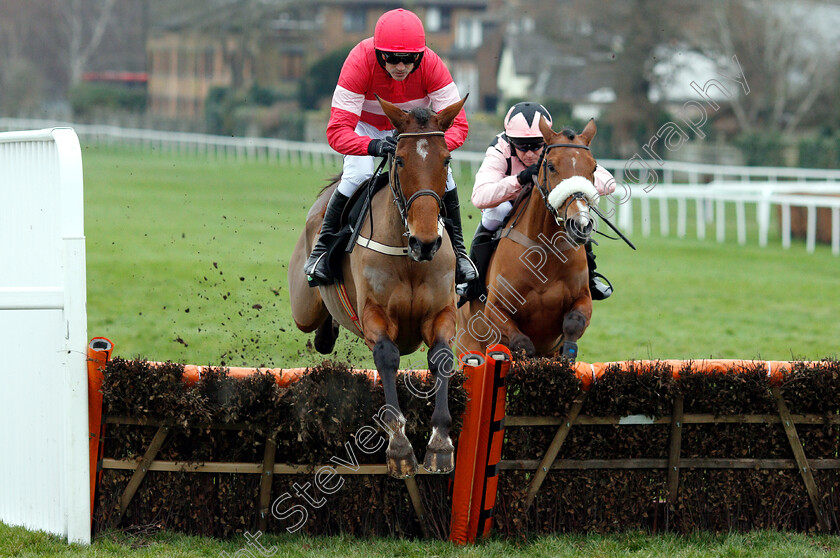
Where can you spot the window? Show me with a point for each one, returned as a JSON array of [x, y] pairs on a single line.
[[438, 19], [469, 33], [354, 19]]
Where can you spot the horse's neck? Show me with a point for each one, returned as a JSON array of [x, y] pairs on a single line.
[[388, 227], [536, 219]]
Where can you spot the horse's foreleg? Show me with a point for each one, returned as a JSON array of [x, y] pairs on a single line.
[[440, 453], [499, 321], [399, 455], [574, 324]]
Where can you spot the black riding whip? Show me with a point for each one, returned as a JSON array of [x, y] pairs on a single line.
[[357, 229]]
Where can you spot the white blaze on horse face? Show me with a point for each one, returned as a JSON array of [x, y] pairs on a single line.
[[423, 148], [579, 211], [574, 162]]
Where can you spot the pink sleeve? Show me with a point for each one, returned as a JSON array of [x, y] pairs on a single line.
[[492, 185], [604, 181]]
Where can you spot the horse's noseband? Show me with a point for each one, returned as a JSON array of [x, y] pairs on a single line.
[[396, 188], [543, 186]]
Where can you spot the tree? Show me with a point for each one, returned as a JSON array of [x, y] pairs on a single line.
[[786, 52], [84, 23], [632, 32]]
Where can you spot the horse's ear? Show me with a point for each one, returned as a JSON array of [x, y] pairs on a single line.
[[447, 116], [398, 117], [545, 129], [589, 131]]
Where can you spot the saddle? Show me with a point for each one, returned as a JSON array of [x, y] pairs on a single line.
[[352, 218], [518, 205]]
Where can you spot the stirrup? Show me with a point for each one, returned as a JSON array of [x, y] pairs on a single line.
[[597, 289], [316, 277], [470, 275]]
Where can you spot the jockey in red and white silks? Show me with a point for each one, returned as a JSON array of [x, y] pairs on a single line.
[[356, 117], [397, 65]]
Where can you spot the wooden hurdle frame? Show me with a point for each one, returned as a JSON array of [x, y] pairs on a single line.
[[478, 456]]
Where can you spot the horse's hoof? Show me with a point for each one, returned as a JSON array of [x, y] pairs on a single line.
[[570, 351], [525, 345], [402, 467], [439, 462]]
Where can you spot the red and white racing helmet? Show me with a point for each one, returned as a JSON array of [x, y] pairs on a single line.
[[399, 37], [523, 120], [399, 31]]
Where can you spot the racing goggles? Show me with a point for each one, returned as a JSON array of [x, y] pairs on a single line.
[[526, 146], [395, 58]]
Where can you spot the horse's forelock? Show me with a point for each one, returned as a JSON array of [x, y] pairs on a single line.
[[569, 133], [421, 115]]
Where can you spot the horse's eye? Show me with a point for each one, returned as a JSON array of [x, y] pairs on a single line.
[[399, 161], [447, 161], [550, 167]]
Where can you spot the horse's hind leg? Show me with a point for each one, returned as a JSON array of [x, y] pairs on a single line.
[[399, 455], [308, 309], [326, 335], [440, 453]]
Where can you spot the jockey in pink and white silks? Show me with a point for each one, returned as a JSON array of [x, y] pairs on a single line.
[[397, 65], [509, 163]]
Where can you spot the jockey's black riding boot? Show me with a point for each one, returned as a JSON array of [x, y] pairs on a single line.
[[597, 288], [464, 268], [481, 250], [316, 267]]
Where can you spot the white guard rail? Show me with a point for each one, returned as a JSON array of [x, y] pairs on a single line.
[[44, 470]]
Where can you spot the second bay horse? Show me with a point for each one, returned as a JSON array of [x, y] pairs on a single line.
[[538, 298]]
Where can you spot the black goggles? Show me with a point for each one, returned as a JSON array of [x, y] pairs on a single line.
[[406, 58], [528, 145]]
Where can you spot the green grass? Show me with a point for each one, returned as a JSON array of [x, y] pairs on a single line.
[[181, 249], [19, 542]]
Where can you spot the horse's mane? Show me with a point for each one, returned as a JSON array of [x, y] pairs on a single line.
[[330, 182]]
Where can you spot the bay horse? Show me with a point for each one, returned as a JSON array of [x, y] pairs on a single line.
[[397, 296], [538, 298]]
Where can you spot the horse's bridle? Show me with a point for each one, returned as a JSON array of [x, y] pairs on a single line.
[[396, 189], [542, 187]]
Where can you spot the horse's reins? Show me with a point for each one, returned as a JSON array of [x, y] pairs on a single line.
[[400, 201], [543, 189], [396, 188]]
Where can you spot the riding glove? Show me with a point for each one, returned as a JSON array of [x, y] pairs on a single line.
[[382, 147], [527, 176]]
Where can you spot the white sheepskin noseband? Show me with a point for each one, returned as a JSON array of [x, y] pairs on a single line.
[[570, 186]]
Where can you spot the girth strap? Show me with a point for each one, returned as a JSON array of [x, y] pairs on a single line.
[[523, 240]]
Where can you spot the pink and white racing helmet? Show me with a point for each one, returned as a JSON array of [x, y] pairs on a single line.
[[523, 120]]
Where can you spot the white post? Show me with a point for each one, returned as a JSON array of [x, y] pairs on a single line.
[[785, 225], [44, 472], [741, 216], [664, 225], [811, 234]]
